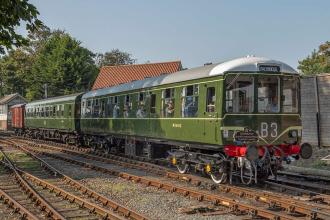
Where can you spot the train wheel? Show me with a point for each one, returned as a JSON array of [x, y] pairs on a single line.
[[182, 166], [247, 172], [220, 176]]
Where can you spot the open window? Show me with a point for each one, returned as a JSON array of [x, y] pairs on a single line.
[[189, 101], [210, 99], [116, 108], [153, 103], [141, 111], [168, 103]]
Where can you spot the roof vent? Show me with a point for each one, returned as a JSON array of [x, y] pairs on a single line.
[[250, 55], [206, 64]]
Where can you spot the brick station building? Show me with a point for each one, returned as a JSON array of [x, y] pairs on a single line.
[[115, 75]]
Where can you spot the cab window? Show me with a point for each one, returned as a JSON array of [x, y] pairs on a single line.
[[268, 93], [239, 94], [290, 94]]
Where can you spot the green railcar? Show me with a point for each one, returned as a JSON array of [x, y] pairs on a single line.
[[54, 118], [241, 116]]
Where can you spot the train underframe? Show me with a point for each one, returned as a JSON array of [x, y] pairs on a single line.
[[247, 163], [68, 137]]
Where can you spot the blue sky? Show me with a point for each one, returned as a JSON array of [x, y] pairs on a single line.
[[195, 32]]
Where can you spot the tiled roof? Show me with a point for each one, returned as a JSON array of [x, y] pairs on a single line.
[[8, 98], [115, 75]]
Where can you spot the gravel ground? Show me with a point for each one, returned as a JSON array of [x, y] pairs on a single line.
[[154, 203], [315, 161]]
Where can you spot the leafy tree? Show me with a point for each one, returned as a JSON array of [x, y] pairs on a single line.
[[317, 62], [113, 58], [62, 64], [14, 69], [12, 13]]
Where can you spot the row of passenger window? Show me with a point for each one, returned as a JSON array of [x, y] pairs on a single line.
[[145, 103], [47, 111]]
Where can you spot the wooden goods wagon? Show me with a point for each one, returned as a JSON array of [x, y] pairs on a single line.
[[17, 112]]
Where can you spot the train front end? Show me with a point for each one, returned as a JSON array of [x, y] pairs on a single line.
[[261, 126]]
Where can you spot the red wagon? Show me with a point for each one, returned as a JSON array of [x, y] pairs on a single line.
[[17, 112]]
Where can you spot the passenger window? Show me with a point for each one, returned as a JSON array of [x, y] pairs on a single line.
[[127, 106], [62, 110], [95, 108], [168, 103], [88, 111], [116, 108], [69, 110], [153, 103], [54, 110], [141, 112], [102, 109], [189, 101], [108, 107], [210, 99]]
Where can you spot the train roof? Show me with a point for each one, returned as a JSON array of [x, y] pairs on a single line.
[[244, 64], [64, 98]]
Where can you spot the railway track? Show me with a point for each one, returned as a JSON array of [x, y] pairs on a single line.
[[286, 181], [298, 186], [82, 203], [292, 208]]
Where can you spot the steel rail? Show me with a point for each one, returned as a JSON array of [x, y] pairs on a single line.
[[126, 212], [39, 199], [199, 195], [273, 200], [106, 214], [18, 208]]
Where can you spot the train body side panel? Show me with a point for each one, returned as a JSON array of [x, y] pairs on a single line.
[[155, 125]]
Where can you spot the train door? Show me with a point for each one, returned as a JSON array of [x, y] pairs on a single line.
[[211, 113]]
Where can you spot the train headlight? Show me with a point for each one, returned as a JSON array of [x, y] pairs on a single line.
[[293, 133]]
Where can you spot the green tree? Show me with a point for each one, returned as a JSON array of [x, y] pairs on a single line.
[[317, 62], [12, 13], [64, 65], [14, 69], [113, 58]]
